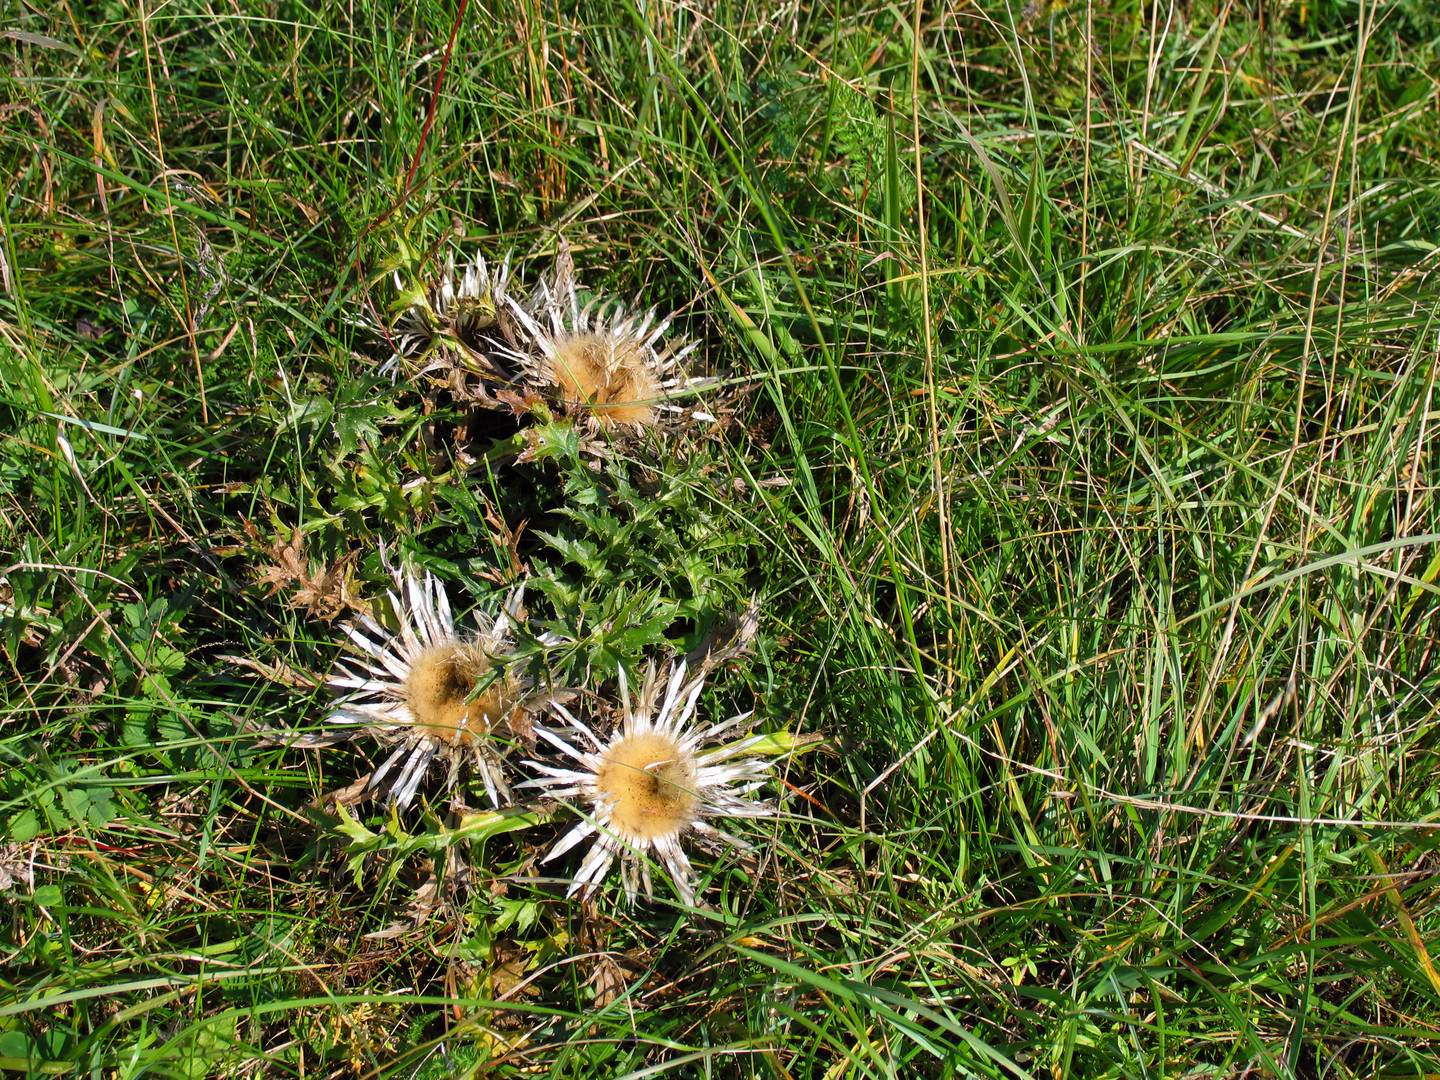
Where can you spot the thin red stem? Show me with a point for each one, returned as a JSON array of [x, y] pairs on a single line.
[[429, 119], [435, 96]]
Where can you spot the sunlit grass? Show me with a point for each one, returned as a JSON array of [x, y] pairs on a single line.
[[1094, 535]]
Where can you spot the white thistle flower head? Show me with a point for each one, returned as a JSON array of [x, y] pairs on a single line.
[[449, 311], [435, 692], [604, 362], [651, 783]]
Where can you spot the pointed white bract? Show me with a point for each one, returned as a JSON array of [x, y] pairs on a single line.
[[434, 692], [604, 363], [649, 784], [441, 323]]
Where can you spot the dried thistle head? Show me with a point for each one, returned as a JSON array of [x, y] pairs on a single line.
[[434, 692], [446, 324], [608, 366], [608, 374], [652, 782]]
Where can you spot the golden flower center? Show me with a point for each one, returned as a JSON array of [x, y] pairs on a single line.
[[438, 686], [609, 376], [650, 785]]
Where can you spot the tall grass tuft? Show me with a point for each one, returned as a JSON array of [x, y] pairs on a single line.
[[1078, 367]]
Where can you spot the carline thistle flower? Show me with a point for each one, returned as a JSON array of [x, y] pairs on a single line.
[[649, 784], [440, 321], [435, 692], [604, 363]]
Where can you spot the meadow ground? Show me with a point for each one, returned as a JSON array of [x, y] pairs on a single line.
[[1075, 439]]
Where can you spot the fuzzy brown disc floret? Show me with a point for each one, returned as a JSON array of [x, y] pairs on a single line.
[[607, 376], [649, 782], [433, 692], [655, 780], [610, 367], [440, 692]]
